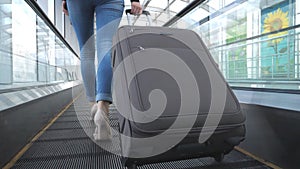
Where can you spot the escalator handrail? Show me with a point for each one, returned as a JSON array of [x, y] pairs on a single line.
[[183, 12]]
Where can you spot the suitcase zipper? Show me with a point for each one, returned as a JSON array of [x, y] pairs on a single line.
[[134, 70]]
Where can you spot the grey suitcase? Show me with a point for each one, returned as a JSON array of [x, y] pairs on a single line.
[[172, 101]]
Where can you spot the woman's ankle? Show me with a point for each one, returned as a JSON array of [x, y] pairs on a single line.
[[103, 105]]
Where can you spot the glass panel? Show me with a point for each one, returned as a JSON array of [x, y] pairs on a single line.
[[59, 53], [61, 74], [246, 40], [23, 42], [30, 52], [48, 7], [5, 43], [42, 72], [52, 73], [59, 21]]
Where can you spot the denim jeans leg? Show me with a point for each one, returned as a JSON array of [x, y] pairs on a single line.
[[82, 17], [108, 17]]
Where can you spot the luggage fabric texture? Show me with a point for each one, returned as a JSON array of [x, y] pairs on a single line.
[[136, 47]]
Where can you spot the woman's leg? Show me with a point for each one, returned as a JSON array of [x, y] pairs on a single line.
[[108, 17], [82, 17]]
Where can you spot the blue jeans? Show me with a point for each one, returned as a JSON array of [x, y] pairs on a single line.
[[108, 17]]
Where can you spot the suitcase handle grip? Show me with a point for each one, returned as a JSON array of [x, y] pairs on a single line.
[[128, 11], [147, 13]]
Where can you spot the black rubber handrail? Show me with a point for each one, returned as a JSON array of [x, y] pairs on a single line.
[[183, 12], [269, 90], [38, 10]]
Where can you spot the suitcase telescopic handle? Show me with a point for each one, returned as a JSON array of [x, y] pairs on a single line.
[[128, 11], [144, 12]]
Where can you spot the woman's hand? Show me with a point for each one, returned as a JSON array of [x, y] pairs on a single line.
[[64, 8], [136, 8]]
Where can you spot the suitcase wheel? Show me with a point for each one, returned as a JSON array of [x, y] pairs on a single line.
[[219, 158]]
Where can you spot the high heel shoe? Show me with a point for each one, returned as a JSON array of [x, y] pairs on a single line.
[[102, 131], [93, 111]]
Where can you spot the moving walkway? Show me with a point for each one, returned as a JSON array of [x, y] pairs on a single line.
[[67, 143]]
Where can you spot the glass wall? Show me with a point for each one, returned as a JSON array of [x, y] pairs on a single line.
[[255, 43], [30, 52], [5, 43]]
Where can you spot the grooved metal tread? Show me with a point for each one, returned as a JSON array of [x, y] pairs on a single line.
[[63, 134], [80, 162], [68, 143], [85, 123]]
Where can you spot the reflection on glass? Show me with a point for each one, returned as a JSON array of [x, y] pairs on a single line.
[[5, 43], [243, 38], [24, 43], [30, 52]]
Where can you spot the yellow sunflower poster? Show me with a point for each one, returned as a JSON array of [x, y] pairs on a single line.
[[277, 52]]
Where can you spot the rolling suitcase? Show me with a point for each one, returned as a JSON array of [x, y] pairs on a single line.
[[172, 101]]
